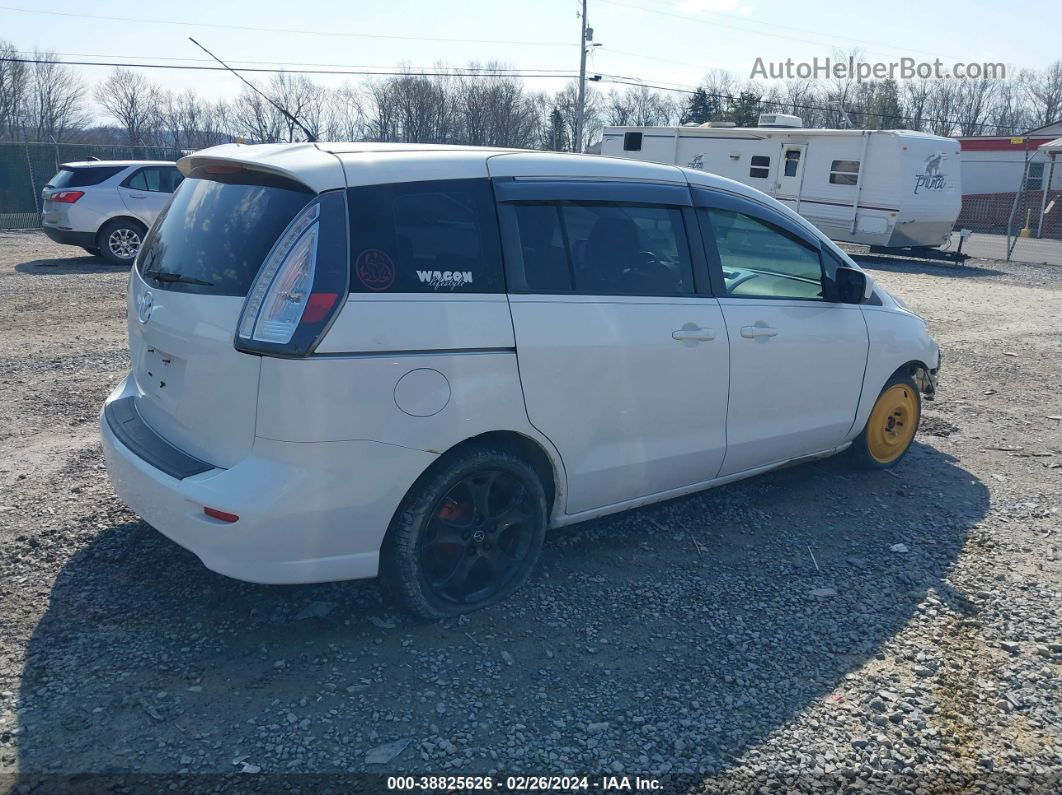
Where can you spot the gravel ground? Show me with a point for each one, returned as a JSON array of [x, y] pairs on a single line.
[[814, 627]]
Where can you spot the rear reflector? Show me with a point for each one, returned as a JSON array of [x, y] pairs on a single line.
[[318, 307], [67, 196], [223, 516]]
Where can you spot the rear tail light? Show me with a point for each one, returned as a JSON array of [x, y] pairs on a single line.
[[301, 284], [67, 196]]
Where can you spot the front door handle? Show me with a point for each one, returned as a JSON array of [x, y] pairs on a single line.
[[752, 332], [693, 333]]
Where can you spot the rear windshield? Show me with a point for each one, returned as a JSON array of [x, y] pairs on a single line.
[[216, 235], [83, 177]]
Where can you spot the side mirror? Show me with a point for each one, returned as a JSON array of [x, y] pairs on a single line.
[[851, 286]]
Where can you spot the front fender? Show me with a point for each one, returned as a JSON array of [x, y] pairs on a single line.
[[897, 337]]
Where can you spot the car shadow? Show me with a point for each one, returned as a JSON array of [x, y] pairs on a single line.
[[66, 266], [730, 611]]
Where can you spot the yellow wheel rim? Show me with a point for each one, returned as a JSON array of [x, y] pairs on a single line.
[[892, 423]]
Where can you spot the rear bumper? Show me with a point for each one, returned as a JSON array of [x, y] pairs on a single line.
[[309, 512], [68, 237]]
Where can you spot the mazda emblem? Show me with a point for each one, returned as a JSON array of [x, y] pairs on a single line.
[[144, 304]]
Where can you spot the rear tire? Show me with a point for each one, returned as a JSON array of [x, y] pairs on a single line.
[[120, 241], [891, 427], [466, 536]]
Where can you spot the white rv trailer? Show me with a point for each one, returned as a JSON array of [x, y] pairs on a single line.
[[888, 188]]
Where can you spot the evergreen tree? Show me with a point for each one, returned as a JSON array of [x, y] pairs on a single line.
[[744, 111], [700, 108], [885, 110], [555, 135]]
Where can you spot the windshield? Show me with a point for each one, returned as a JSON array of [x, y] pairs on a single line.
[[213, 237]]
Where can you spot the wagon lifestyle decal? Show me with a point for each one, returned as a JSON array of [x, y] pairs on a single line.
[[441, 280], [931, 177], [375, 269]]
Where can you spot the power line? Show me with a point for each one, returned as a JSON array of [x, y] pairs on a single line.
[[287, 31], [473, 69], [362, 72]]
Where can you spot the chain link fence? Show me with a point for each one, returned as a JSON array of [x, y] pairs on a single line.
[[26, 166], [1014, 194]]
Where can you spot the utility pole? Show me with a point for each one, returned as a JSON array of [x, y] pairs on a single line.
[[585, 34]]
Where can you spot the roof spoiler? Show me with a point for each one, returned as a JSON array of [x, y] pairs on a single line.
[[240, 172]]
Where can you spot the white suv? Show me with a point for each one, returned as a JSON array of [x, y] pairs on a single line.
[[352, 359], [107, 206]]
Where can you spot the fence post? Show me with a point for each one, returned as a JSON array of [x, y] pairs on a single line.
[[1043, 200], [32, 179]]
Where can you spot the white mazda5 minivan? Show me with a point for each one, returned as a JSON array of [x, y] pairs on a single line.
[[353, 360]]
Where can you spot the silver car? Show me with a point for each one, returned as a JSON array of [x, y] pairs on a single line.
[[107, 206]]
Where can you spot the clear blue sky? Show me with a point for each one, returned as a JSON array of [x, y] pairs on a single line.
[[673, 41]]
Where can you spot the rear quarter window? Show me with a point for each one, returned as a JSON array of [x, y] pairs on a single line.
[[438, 236], [83, 177]]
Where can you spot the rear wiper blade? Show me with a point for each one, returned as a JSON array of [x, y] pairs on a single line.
[[169, 276]]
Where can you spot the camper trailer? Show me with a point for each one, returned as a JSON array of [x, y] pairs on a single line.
[[884, 188]]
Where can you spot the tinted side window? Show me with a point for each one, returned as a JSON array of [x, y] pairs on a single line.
[[83, 177], [424, 237], [155, 179], [760, 260], [601, 248]]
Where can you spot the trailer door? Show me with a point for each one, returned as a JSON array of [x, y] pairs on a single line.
[[790, 174]]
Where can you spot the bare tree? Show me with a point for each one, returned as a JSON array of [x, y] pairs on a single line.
[[55, 99], [134, 102], [916, 94], [974, 100], [942, 106], [1045, 91], [14, 80], [347, 121], [567, 102], [1010, 111], [638, 106], [187, 121], [412, 108]]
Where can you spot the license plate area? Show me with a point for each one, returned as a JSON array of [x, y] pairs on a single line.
[[161, 376]]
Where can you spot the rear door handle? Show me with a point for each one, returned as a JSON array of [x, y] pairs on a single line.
[[694, 334], [136, 195], [752, 332]]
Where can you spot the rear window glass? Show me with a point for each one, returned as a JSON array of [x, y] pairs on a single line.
[[438, 236], [83, 177], [219, 234]]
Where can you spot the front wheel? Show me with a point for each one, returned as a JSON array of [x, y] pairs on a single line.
[[891, 427], [120, 241], [466, 536]]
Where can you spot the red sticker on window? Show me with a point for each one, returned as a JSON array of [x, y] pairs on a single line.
[[375, 269]]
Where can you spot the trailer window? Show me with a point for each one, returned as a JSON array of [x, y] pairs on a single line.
[[760, 166], [844, 172], [632, 142]]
